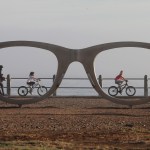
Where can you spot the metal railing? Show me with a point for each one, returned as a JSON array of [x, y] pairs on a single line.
[[100, 80]]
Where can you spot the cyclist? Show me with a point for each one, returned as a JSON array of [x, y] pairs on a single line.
[[31, 81], [1, 84], [2, 78], [119, 79]]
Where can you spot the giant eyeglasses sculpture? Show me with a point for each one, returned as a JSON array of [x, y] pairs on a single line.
[[64, 58]]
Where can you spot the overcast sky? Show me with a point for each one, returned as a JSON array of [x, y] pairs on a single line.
[[78, 24]]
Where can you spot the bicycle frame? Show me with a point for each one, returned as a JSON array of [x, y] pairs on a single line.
[[86, 57], [123, 86], [37, 84]]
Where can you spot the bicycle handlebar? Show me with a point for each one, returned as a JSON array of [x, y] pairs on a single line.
[[37, 80]]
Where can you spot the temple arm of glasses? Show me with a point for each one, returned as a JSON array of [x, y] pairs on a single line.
[[59, 80], [90, 78]]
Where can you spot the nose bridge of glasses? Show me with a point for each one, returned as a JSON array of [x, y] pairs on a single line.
[[79, 55], [75, 55]]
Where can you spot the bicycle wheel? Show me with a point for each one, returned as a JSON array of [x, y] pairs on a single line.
[[113, 90], [22, 91], [42, 90], [130, 90]]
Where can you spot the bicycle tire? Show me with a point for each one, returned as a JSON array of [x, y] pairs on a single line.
[[22, 90], [130, 91], [113, 90], [42, 90]]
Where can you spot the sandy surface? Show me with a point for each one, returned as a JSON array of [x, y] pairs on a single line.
[[77, 123]]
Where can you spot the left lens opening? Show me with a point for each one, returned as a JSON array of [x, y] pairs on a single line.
[[19, 62]]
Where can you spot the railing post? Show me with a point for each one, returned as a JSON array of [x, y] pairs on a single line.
[[100, 80], [145, 86], [54, 94], [8, 85]]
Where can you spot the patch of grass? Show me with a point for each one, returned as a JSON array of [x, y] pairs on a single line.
[[4, 144], [62, 145], [46, 145], [37, 145], [24, 145]]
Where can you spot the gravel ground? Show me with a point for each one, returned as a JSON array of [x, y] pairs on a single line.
[[77, 123]]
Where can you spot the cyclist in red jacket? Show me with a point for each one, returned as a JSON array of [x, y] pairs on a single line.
[[119, 80]]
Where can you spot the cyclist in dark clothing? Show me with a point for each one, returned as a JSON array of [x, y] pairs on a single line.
[[1, 84]]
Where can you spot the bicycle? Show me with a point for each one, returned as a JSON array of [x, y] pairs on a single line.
[[130, 90], [41, 90]]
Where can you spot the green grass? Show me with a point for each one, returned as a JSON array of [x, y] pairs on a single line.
[[37, 145], [61, 145], [25, 145]]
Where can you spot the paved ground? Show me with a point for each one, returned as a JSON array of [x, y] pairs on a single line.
[[75, 123]]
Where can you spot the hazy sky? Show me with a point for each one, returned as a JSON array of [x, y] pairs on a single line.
[[78, 24]]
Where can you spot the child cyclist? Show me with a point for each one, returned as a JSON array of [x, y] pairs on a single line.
[[31, 81]]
